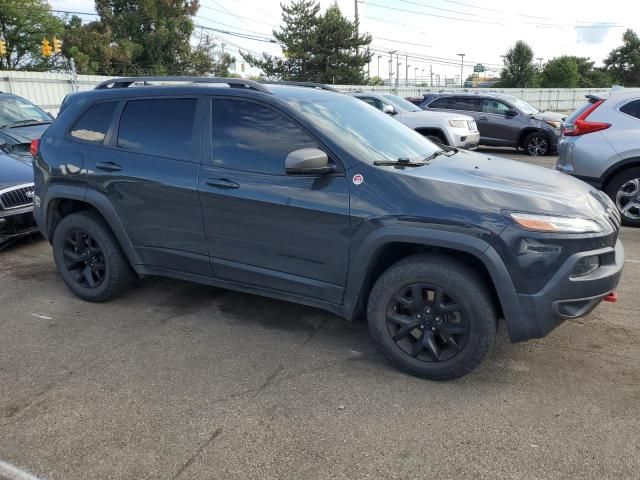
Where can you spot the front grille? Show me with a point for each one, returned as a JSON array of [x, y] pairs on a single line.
[[16, 197]]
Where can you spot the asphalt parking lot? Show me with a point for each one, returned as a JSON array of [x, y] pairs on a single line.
[[181, 381]]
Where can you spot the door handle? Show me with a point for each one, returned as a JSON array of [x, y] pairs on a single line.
[[482, 118], [222, 183], [108, 166]]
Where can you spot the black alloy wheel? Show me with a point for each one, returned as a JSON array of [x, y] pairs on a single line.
[[427, 323], [84, 259]]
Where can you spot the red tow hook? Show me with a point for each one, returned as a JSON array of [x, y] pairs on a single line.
[[612, 297]]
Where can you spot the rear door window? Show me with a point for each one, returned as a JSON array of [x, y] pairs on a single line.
[[442, 102], [631, 108], [254, 138], [469, 104], [161, 127], [93, 124]]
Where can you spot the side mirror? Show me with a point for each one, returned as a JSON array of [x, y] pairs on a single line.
[[389, 110], [511, 113], [307, 161]]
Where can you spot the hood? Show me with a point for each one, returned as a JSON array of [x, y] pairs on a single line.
[[552, 116], [14, 171], [23, 134], [479, 181]]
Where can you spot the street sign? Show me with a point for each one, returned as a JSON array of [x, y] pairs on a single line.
[[478, 68]]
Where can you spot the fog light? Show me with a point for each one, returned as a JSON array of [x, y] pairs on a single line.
[[586, 265]]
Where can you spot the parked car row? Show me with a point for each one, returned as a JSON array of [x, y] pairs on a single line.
[[503, 120], [301, 193], [20, 122]]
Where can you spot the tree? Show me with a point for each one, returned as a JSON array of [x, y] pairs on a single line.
[[623, 63], [142, 37], [317, 47], [561, 72], [375, 81], [23, 26], [519, 69]]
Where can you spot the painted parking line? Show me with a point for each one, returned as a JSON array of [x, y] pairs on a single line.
[[14, 473], [632, 261]]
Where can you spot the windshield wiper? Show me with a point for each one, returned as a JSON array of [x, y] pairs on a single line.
[[31, 121], [401, 162]]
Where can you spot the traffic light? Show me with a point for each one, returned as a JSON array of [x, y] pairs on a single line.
[[3, 47], [57, 45], [46, 48]]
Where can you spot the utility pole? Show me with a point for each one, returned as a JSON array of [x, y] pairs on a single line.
[[422, 77], [397, 70], [461, 55], [379, 57], [355, 8], [431, 75], [540, 60], [415, 75], [391, 66], [406, 73], [368, 64]]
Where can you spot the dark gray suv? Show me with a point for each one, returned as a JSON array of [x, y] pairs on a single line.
[[312, 196], [503, 120]]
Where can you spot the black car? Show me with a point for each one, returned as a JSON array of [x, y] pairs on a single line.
[[16, 199], [20, 122], [312, 196], [503, 120]]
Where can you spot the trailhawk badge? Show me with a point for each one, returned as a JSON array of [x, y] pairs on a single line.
[[358, 179]]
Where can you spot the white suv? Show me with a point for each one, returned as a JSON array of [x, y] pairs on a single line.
[[451, 129]]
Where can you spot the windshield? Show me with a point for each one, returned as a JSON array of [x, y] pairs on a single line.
[[402, 104], [524, 107], [365, 132], [16, 110]]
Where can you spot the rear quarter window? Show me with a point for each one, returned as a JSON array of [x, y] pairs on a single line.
[[632, 108], [442, 102], [93, 124], [579, 111]]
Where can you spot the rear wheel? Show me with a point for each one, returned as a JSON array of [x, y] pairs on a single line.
[[89, 258], [432, 317], [624, 190], [536, 144]]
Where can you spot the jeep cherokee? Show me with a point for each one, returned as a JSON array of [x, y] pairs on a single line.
[[312, 196]]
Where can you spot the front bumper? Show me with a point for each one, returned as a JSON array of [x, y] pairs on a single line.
[[465, 139], [565, 297], [16, 223]]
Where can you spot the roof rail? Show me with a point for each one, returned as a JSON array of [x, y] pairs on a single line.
[[125, 82], [317, 85]]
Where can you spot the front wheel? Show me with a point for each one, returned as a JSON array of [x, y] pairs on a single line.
[[432, 317], [536, 145]]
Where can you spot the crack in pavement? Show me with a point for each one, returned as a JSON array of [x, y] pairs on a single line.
[[216, 433]]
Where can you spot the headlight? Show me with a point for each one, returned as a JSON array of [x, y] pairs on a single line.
[[554, 124], [458, 123], [550, 223]]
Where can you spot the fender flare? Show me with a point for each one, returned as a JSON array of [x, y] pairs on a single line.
[[367, 255], [103, 207]]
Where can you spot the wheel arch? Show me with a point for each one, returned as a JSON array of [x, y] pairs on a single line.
[[528, 131], [436, 131], [389, 245], [63, 200], [617, 168]]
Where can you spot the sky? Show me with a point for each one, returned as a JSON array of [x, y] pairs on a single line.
[[434, 32]]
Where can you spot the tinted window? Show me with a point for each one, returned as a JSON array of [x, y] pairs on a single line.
[[494, 106], [402, 104], [579, 111], [442, 102], [162, 127], [92, 126], [374, 102], [465, 103], [254, 138], [632, 108]]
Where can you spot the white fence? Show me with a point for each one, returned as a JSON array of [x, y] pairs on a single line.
[[48, 89]]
